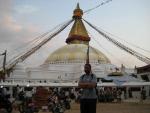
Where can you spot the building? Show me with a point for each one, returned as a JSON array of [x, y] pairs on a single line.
[[144, 74]]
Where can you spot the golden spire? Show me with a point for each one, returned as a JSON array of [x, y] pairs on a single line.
[[78, 33], [77, 13]]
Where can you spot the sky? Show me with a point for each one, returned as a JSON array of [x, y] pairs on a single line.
[[126, 20]]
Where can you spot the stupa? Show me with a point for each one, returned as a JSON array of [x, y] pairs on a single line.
[[67, 62]]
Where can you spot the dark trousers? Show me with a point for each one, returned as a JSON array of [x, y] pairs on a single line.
[[88, 105]]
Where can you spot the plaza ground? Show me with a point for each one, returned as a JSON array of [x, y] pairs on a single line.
[[130, 106]]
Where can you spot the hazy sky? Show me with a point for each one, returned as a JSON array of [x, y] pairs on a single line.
[[23, 20]]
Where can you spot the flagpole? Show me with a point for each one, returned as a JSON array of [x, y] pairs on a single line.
[[87, 58], [4, 62]]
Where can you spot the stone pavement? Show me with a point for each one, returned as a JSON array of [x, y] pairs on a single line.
[[129, 106]]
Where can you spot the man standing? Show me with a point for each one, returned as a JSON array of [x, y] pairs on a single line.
[[88, 84]]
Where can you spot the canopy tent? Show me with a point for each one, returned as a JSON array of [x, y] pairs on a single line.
[[136, 83], [69, 84], [106, 84], [146, 83], [48, 84], [51, 84], [119, 80]]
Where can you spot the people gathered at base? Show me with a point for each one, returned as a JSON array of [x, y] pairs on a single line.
[[58, 99]]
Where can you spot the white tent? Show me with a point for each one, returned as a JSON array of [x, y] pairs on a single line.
[[133, 83], [146, 83], [125, 79], [109, 84], [71, 84], [49, 84]]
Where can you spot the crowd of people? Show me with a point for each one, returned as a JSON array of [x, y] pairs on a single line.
[[59, 98], [22, 99], [5, 103], [109, 95]]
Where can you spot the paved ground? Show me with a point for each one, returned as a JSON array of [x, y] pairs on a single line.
[[125, 107]]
